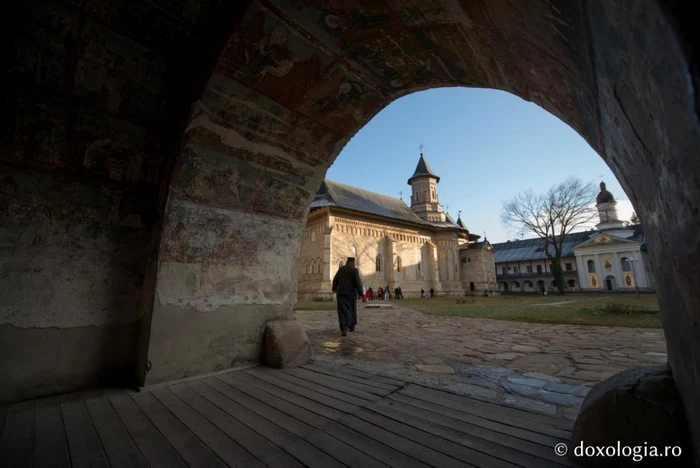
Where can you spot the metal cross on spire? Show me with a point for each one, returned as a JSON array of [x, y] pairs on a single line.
[[401, 194], [421, 148], [447, 208], [459, 214]]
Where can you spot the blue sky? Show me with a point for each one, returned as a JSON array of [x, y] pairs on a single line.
[[486, 146]]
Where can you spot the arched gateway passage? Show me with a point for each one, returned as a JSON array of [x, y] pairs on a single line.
[[159, 158]]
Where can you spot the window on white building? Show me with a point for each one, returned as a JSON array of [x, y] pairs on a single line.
[[626, 266], [591, 266]]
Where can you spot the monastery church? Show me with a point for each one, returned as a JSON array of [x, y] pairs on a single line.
[[416, 247]]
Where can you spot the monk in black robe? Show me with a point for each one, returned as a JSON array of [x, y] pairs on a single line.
[[347, 286]]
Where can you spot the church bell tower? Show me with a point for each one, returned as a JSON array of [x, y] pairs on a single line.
[[607, 210], [424, 195]]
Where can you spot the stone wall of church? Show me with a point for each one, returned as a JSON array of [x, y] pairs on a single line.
[[448, 258], [386, 254], [478, 267], [312, 266]]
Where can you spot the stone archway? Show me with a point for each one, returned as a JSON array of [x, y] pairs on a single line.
[[197, 136]]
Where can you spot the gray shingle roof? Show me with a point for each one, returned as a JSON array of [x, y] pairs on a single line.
[[531, 249], [332, 193], [422, 169]]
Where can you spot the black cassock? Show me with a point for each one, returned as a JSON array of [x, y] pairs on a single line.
[[347, 286]]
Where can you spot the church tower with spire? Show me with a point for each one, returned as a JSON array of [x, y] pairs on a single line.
[[607, 210], [424, 195]]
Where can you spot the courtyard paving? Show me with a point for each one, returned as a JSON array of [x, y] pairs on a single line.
[[540, 367]]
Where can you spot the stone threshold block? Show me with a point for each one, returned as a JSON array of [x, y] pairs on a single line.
[[285, 344]]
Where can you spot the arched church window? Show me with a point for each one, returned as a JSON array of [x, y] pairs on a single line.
[[591, 266], [353, 252], [626, 266], [378, 263], [398, 264]]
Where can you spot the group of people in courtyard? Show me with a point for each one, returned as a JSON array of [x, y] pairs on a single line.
[[382, 294], [347, 285]]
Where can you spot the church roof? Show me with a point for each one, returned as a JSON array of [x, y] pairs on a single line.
[[532, 249], [332, 193], [422, 169]]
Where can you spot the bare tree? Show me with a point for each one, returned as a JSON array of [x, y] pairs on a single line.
[[634, 219], [551, 216]]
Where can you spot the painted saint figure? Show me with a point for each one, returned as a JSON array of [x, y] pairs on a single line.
[[347, 286]]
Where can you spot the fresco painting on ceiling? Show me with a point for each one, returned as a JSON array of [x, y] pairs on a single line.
[[341, 102], [34, 130], [414, 12], [218, 180], [258, 120], [120, 76], [341, 24], [396, 62], [44, 62], [115, 149], [268, 56]]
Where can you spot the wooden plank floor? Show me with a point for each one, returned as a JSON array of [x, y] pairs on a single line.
[[310, 416]]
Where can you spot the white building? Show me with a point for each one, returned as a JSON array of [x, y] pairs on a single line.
[[611, 258]]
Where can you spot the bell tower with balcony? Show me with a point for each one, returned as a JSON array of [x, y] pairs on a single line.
[[424, 195]]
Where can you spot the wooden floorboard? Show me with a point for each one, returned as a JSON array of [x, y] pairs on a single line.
[[291, 418], [120, 448], [153, 445], [304, 410], [370, 446], [17, 444], [473, 420], [353, 376], [380, 392], [83, 442], [188, 446], [293, 383], [50, 442], [332, 407], [478, 440], [333, 383], [246, 437], [229, 451], [236, 404], [528, 421], [412, 449]]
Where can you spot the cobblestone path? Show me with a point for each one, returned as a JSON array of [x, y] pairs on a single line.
[[541, 367]]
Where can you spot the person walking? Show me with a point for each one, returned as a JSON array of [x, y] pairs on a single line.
[[422, 293], [347, 286], [432, 293]]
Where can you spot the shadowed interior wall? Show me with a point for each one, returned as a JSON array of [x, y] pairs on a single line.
[[293, 82]]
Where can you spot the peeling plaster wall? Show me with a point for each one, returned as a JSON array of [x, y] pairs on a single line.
[[230, 240], [71, 274]]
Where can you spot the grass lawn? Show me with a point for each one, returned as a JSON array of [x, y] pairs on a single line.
[[576, 308]]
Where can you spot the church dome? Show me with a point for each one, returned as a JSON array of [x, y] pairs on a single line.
[[604, 196]]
